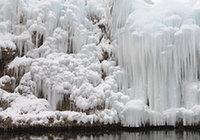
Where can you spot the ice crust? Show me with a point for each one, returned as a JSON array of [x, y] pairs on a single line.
[[136, 60]]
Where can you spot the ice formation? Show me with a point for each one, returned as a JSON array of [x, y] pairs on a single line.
[[132, 62]]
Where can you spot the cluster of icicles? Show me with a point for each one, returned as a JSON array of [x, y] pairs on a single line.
[[159, 54], [161, 67]]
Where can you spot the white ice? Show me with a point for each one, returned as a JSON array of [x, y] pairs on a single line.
[[136, 60]]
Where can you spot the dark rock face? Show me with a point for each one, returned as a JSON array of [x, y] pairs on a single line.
[[37, 39], [17, 75], [65, 104], [70, 105], [1, 67], [4, 104], [7, 55], [9, 86]]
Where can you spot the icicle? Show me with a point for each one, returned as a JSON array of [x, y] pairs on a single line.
[[0, 54], [160, 61]]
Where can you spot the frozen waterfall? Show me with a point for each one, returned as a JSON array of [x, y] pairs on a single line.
[[158, 47], [134, 62]]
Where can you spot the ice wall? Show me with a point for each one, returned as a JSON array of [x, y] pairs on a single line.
[[158, 47], [65, 44], [134, 61]]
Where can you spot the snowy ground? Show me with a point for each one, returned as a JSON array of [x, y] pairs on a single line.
[[131, 62]]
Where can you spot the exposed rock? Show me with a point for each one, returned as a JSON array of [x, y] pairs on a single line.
[[18, 75], [4, 104], [7, 83], [7, 123], [65, 104], [70, 105], [9, 86], [37, 39], [7, 55]]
